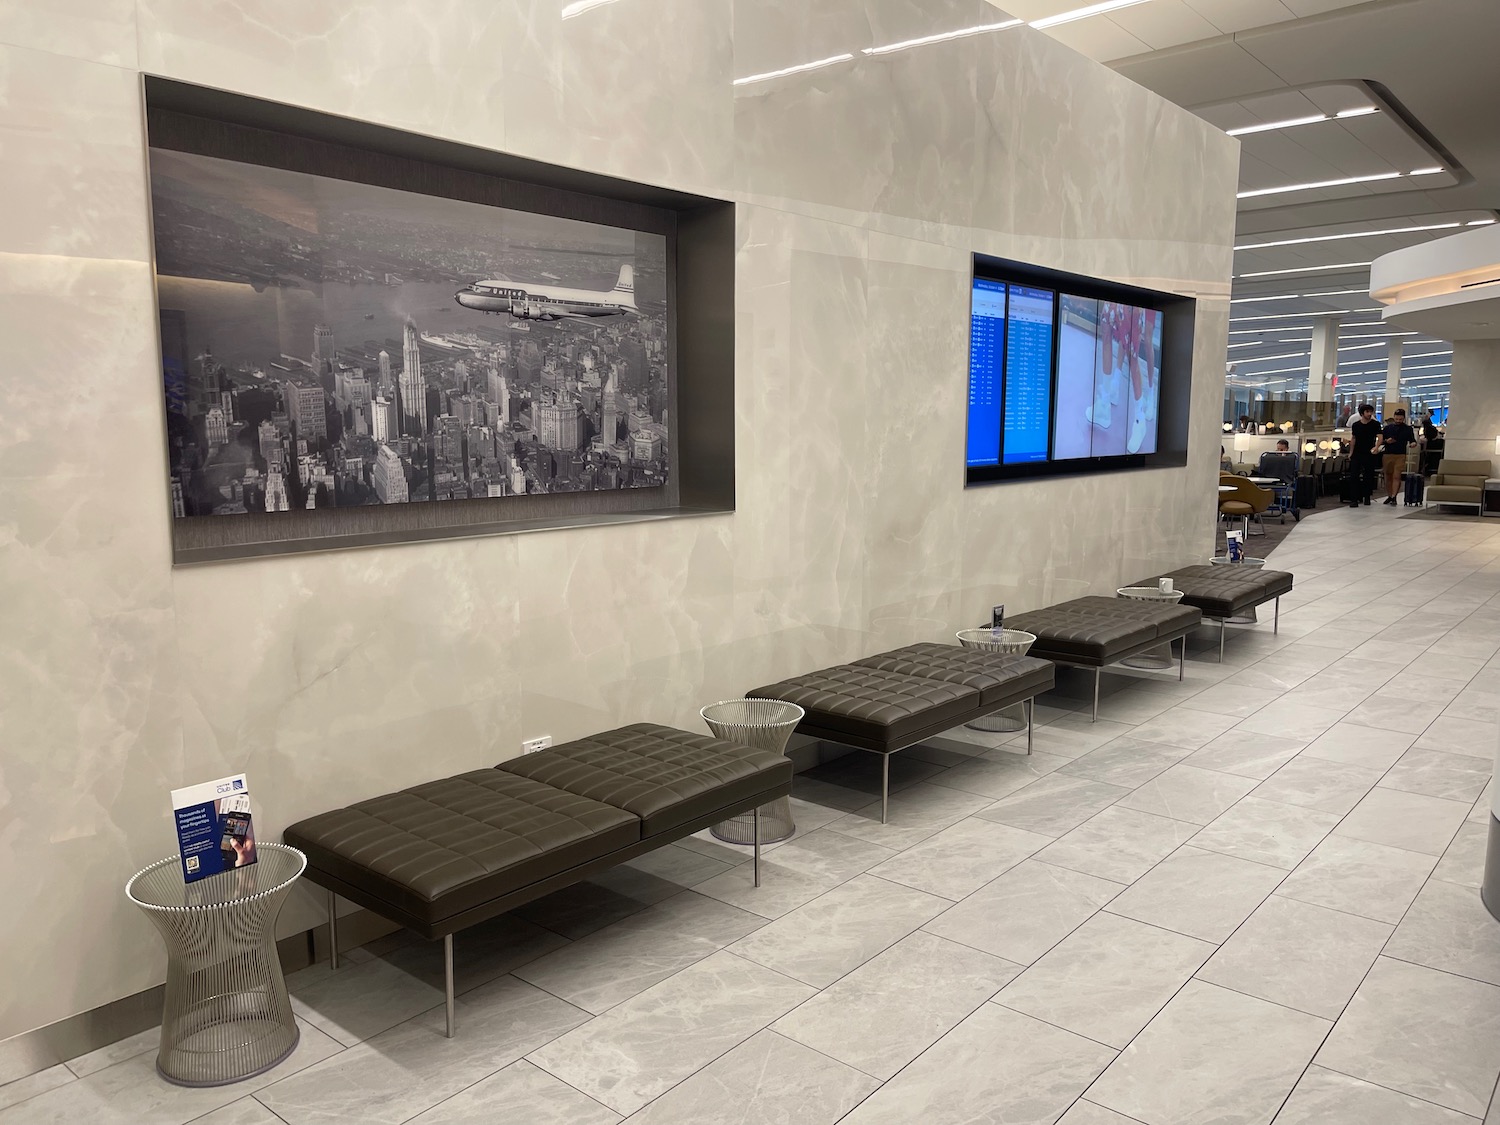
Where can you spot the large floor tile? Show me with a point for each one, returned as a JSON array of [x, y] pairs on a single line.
[[397, 1074], [40, 1082], [896, 1005], [1456, 777], [133, 1093], [1202, 894], [767, 1080], [1026, 911], [1449, 928], [1267, 832], [1127, 761], [1394, 711], [1290, 718], [1246, 754], [1212, 1055], [1426, 1033], [246, 1111], [860, 771], [1471, 737], [1405, 820], [820, 942], [1232, 699], [1074, 735], [961, 859], [1107, 978], [522, 1093], [1358, 877], [1118, 844], [998, 775], [1313, 783], [1188, 793], [1185, 727], [1325, 1097], [1055, 805], [1356, 745], [1298, 955], [913, 815], [796, 872], [615, 963], [1463, 862], [626, 889], [996, 1066], [1088, 1113], [645, 1046], [118, 1051]]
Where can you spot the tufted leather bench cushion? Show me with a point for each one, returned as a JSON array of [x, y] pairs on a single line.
[[437, 849], [1097, 630], [872, 705], [1227, 591], [1000, 678], [664, 776]]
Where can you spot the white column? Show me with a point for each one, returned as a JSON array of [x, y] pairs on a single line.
[[1474, 402], [1324, 361], [1392, 379]]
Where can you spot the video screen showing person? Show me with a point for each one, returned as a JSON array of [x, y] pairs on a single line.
[[1077, 345], [1127, 380]]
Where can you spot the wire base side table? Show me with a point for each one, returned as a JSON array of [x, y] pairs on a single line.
[[766, 724], [227, 1015], [1160, 658], [1003, 640]]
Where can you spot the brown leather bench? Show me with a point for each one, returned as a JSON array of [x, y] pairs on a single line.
[[1091, 632], [1224, 592], [442, 856], [888, 702]]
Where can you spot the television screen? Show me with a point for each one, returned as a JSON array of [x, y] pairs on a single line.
[[1066, 379]]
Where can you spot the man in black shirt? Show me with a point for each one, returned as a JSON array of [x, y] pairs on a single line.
[[1394, 439], [1362, 458]]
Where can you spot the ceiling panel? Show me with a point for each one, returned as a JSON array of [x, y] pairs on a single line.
[[1099, 38], [1164, 23], [1215, 71], [1241, 15], [1304, 8]]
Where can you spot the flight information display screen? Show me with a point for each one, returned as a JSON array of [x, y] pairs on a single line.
[[986, 368], [1027, 394]]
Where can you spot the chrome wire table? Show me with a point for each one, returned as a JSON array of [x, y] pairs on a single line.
[[999, 640], [227, 1015], [1248, 617], [766, 724], [1156, 659]]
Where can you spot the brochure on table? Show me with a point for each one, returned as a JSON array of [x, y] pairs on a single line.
[[214, 829]]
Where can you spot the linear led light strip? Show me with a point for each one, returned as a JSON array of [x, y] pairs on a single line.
[[1353, 234], [1309, 269], [1289, 316], [1344, 182], [1311, 119]]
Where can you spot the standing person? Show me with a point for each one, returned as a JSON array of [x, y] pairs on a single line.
[[1429, 428], [1362, 458], [1394, 439]]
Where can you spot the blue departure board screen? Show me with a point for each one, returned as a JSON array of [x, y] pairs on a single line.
[[986, 360], [1027, 389]]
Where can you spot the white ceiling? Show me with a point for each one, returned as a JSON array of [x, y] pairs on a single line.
[[1427, 65]]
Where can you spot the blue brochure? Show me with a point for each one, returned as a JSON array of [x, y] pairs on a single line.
[[214, 829]]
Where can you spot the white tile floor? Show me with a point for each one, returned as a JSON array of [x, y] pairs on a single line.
[[1245, 898]]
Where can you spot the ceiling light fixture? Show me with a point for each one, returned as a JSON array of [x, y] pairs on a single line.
[[1308, 269], [1425, 171], [1347, 180], [1358, 111], [798, 69], [1084, 13], [1274, 297], [1290, 123], [1350, 234], [1269, 358], [1337, 293], [942, 37], [1480, 223]]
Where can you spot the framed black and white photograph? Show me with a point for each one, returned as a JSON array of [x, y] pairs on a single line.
[[330, 344]]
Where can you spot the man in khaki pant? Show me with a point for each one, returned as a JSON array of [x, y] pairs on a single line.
[[1394, 439]]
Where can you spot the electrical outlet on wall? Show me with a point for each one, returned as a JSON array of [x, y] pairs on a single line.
[[532, 745]]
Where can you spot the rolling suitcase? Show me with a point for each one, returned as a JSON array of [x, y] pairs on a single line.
[[1414, 488], [1349, 491], [1307, 493]]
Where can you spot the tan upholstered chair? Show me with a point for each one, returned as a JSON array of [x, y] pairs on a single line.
[[1456, 482], [1247, 501]]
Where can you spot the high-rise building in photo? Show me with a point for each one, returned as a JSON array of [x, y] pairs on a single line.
[[305, 407], [385, 370], [380, 420], [323, 350], [276, 497], [610, 420], [413, 388], [389, 477], [216, 428], [559, 425]]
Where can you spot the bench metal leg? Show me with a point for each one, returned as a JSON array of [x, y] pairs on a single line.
[[1095, 716], [885, 785], [448, 980], [1222, 626], [333, 930], [1276, 625], [755, 822], [1181, 658], [1030, 721]]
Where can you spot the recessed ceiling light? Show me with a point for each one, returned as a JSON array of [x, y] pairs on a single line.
[[1308, 269], [1352, 234], [1424, 171], [1274, 297], [1338, 293], [1290, 123], [1480, 223], [1358, 111], [1084, 13], [798, 69], [1319, 184], [942, 37], [1269, 358]]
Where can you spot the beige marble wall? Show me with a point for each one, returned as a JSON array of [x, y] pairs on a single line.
[[1474, 414], [864, 188]]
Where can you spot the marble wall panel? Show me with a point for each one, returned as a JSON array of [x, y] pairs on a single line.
[[862, 189]]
